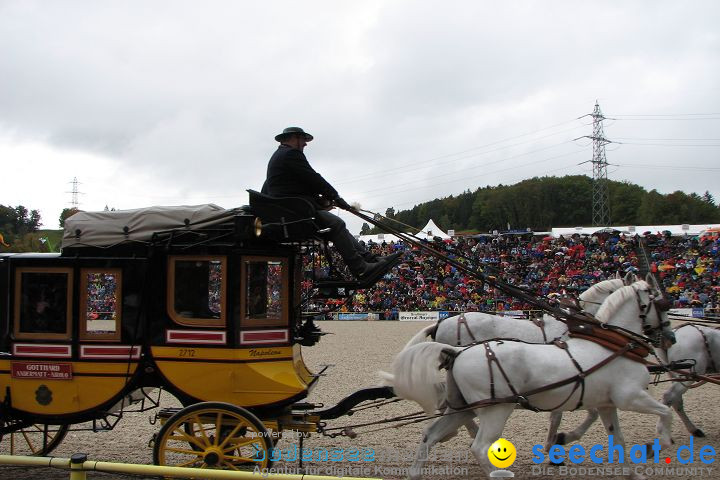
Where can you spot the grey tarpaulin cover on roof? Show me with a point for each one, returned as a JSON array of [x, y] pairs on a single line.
[[103, 229]]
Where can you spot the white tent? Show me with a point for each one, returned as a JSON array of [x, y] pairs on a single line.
[[431, 230], [428, 232]]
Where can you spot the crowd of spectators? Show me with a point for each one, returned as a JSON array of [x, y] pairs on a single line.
[[101, 296], [687, 267]]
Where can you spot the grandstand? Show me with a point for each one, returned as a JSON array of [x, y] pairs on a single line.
[[683, 258]]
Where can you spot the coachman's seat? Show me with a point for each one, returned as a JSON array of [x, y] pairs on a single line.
[[285, 219], [293, 219]]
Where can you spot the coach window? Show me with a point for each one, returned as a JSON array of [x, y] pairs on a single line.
[[43, 303], [100, 304], [196, 290], [264, 296]]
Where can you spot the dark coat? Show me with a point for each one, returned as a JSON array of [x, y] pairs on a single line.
[[290, 175]]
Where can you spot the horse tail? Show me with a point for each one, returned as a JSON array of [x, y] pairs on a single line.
[[416, 374], [422, 335]]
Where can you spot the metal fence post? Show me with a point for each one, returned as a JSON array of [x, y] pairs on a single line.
[[76, 466]]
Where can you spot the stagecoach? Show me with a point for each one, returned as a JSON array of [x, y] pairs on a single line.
[[201, 302], [206, 304]]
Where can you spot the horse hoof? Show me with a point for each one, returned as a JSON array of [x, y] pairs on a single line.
[[698, 433], [560, 439]]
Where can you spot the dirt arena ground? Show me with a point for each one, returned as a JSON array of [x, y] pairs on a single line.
[[357, 350]]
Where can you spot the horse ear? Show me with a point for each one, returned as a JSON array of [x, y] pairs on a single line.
[[629, 279], [651, 280]]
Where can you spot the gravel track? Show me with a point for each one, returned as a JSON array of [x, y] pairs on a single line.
[[357, 350]]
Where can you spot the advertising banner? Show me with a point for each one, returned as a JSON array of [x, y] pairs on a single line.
[[352, 316], [419, 316]]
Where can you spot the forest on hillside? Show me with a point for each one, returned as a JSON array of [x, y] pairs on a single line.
[[536, 203], [546, 202]]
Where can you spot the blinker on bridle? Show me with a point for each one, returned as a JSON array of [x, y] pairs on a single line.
[[661, 305]]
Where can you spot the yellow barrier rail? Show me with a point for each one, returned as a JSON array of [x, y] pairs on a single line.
[[79, 465]]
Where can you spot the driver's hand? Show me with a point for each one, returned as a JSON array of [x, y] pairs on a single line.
[[341, 203]]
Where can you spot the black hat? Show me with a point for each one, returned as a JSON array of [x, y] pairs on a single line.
[[293, 131]]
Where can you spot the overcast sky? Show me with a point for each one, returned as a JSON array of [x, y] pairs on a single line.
[[170, 102]]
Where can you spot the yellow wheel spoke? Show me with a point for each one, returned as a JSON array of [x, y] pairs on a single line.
[[202, 428], [230, 436], [238, 458], [243, 442], [184, 437], [185, 451], [187, 464]]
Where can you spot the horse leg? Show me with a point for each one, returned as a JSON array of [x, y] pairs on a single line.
[[440, 430], [673, 398], [492, 423], [642, 402], [609, 418], [553, 437], [570, 437], [471, 428]]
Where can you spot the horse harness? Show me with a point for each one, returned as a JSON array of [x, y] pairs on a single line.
[[539, 322], [621, 342], [463, 321], [521, 398], [707, 345]]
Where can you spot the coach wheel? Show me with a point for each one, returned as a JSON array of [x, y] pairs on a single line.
[[38, 439], [213, 435]]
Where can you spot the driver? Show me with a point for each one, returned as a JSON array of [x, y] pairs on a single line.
[[290, 175]]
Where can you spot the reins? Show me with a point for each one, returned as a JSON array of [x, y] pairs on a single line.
[[514, 291]]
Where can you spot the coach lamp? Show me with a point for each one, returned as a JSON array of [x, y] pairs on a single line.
[[247, 227]]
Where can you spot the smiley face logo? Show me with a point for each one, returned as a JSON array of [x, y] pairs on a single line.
[[502, 453]]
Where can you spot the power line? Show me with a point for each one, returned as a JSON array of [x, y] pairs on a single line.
[[667, 115], [671, 139], [434, 160], [484, 174], [670, 167], [669, 144], [475, 167], [616, 117]]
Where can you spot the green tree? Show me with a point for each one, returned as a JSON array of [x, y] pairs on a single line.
[[625, 198], [542, 203], [708, 198], [18, 220], [67, 213]]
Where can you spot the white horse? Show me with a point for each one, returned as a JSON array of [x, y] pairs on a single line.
[[473, 327], [482, 374], [702, 346]]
